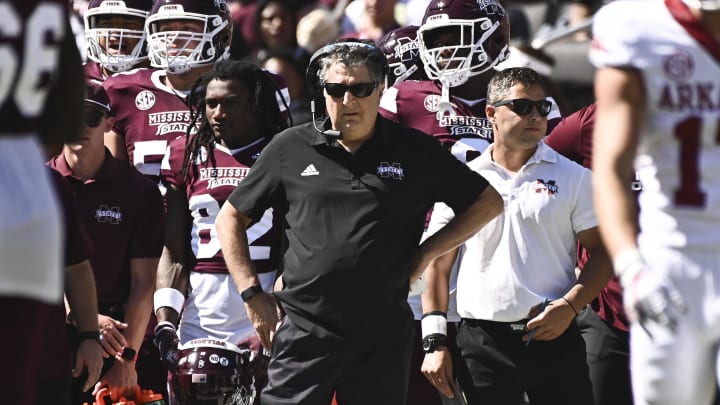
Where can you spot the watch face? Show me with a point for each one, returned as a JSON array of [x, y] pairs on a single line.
[[426, 344]]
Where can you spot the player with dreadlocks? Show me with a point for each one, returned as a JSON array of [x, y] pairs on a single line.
[[236, 113]]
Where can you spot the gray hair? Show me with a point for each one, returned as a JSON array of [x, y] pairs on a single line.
[[500, 84], [354, 55]]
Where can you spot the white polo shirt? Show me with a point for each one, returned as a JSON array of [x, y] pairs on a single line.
[[529, 252]]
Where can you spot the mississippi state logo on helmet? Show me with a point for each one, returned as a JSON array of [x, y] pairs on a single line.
[[213, 372], [172, 46], [401, 50], [462, 38], [115, 33]]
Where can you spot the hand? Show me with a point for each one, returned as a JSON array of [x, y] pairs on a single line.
[[112, 340], [550, 321], [90, 355], [265, 314], [651, 297], [438, 369], [121, 380], [166, 340]]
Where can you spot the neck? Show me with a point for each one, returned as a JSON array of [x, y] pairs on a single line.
[[184, 81], [511, 159], [84, 164]]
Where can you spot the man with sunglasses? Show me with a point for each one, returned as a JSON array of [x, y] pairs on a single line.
[[122, 212], [354, 189], [517, 290]]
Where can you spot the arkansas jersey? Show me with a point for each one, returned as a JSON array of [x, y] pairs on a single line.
[[148, 114], [678, 158], [207, 187], [467, 135]]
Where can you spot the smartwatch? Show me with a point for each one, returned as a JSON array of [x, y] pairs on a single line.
[[250, 292], [433, 342]]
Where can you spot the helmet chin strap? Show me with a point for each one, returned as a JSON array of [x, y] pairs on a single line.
[[445, 107]]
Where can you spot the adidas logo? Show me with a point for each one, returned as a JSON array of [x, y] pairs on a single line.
[[310, 171]]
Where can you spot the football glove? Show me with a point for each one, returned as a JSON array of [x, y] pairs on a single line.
[[166, 340]]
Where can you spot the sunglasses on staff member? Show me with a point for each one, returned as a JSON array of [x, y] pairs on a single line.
[[359, 90], [93, 118], [524, 106]]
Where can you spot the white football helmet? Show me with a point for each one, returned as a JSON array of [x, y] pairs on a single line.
[[178, 51], [112, 47]]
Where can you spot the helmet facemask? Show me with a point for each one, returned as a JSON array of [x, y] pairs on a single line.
[[179, 51], [116, 55]]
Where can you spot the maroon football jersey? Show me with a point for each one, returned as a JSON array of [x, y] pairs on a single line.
[[31, 40], [148, 114], [467, 135], [122, 211], [93, 71], [207, 187]]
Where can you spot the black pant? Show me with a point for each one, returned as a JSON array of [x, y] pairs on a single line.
[[494, 366], [608, 357], [305, 370]]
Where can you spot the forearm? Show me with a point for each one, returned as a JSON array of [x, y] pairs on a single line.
[[81, 296], [592, 279], [173, 274], [487, 206], [139, 305], [231, 229], [436, 295]]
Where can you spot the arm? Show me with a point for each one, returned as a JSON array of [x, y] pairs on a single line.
[[558, 315], [82, 300], [438, 366], [620, 111], [262, 309], [487, 206]]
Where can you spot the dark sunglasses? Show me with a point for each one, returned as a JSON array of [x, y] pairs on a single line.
[[359, 90], [523, 106], [93, 118]]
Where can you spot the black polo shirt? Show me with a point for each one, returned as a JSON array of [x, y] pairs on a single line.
[[353, 223]]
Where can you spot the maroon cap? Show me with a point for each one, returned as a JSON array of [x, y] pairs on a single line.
[[96, 96]]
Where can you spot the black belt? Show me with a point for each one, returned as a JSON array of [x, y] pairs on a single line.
[[518, 327]]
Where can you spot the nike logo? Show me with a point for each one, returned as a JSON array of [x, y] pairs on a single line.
[[310, 171]]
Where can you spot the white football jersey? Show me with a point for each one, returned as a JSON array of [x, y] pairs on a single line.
[[678, 160]]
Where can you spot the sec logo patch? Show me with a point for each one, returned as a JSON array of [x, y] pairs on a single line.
[[145, 100]]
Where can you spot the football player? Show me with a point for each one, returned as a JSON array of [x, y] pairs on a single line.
[[658, 107], [115, 36], [40, 105], [235, 110], [184, 39]]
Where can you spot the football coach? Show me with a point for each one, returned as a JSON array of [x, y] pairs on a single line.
[[353, 190]]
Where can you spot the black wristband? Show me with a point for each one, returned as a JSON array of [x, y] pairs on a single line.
[[89, 335], [250, 292], [433, 342], [128, 354]]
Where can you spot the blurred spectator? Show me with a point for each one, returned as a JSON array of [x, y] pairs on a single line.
[[275, 28], [244, 40], [316, 29], [283, 63], [369, 19]]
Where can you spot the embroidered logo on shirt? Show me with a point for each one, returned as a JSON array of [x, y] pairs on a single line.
[[549, 186], [390, 171], [310, 171], [108, 215]]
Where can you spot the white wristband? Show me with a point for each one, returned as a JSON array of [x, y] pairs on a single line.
[[433, 325], [168, 297], [627, 265]]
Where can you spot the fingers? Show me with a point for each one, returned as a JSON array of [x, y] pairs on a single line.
[[112, 341]]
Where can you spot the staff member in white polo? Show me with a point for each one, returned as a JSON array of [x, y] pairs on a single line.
[[517, 290]]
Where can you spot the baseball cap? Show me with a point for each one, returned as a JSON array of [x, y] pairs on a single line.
[[96, 96]]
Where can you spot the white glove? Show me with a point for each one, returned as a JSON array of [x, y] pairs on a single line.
[[647, 295]]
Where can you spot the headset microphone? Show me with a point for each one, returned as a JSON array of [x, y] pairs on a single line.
[[330, 133]]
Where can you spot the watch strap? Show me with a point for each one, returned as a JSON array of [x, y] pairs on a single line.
[[250, 292]]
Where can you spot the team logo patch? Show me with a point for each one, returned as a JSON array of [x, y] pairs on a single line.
[[679, 66], [390, 171], [546, 186], [432, 102], [108, 215], [145, 100]]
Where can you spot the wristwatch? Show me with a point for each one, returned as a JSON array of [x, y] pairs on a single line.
[[250, 292], [433, 342]]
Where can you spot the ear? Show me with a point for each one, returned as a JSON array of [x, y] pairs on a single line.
[[109, 123], [490, 113]]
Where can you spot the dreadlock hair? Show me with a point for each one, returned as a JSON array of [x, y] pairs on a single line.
[[261, 86]]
